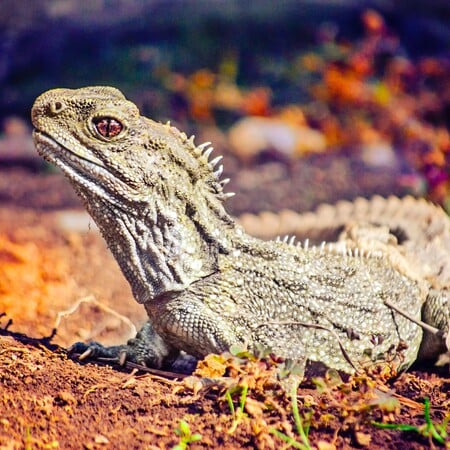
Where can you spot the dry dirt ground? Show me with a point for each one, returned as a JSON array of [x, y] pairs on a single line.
[[56, 271]]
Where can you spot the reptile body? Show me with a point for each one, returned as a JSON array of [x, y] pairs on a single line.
[[208, 285]]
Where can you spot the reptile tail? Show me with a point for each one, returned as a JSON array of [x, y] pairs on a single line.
[[420, 229]]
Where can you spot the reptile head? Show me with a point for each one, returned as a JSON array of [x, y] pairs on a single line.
[[98, 138], [153, 193]]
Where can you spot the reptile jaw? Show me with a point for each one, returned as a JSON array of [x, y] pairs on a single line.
[[82, 170], [47, 147]]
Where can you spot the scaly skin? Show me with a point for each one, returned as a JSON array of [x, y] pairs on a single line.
[[205, 283], [413, 233]]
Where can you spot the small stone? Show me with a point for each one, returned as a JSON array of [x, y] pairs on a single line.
[[323, 445], [362, 439], [100, 439]]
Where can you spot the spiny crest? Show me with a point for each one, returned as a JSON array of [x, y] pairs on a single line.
[[288, 239], [336, 248], [202, 153]]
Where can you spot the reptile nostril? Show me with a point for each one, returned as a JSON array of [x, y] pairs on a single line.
[[56, 107]]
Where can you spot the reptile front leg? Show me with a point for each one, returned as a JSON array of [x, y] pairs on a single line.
[[188, 323], [147, 349]]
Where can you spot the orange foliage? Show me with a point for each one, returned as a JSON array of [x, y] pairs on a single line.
[[344, 85], [257, 102]]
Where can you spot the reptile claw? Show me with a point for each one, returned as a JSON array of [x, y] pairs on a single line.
[[122, 357], [79, 347], [86, 354], [93, 350]]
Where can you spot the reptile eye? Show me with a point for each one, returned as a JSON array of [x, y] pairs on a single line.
[[57, 107], [108, 127]]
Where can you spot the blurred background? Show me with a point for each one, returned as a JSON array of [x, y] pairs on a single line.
[[308, 101]]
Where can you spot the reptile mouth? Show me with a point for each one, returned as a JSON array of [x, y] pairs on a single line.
[[90, 174], [47, 147]]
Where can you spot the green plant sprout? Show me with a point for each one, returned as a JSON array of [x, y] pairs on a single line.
[[239, 413], [28, 445], [186, 437], [428, 429], [302, 425]]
